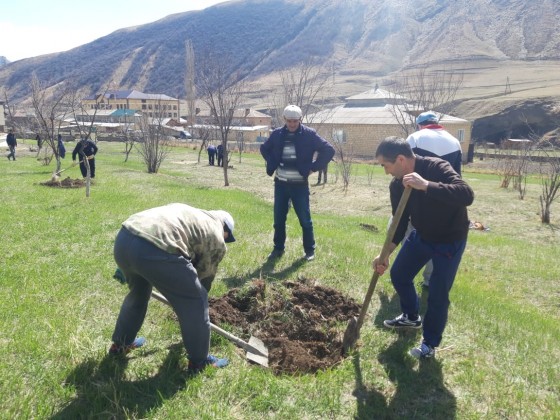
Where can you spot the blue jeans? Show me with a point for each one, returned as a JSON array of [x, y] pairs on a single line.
[[299, 196], [414, 254]]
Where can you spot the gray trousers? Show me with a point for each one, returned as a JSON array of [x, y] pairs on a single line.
[[146, 266]]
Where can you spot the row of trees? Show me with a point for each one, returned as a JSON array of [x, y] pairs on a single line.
[[309, 85]]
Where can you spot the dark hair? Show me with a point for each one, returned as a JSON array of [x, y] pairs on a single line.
[[393, 146]]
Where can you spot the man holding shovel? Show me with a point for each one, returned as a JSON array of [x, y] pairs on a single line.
[[175, 248], [437, 208], [87, 151]]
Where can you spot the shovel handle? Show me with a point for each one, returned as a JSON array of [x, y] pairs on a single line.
[[384, 253], [243, 344]]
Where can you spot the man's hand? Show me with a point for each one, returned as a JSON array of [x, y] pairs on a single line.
[[90, 157], [380, 266], [413, 180]]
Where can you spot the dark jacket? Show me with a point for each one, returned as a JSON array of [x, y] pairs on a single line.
[[11, 139], [87, 148], [440, 213], [306, 142]]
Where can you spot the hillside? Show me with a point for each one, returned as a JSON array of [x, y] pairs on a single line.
[[363, 40]]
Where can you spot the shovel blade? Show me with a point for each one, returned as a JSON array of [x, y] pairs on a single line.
[[351, 335], [258, 353]]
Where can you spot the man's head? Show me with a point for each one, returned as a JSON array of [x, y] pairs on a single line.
[[292, 117], [395, 156], [228, 222], [427, 118]]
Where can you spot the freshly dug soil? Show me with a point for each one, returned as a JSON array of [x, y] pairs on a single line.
[[301, 323], [65, 183]]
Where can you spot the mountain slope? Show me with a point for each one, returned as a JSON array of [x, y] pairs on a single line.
[[363, 39]]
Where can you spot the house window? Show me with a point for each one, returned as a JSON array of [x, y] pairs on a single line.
[[338, 135], [461, 135]]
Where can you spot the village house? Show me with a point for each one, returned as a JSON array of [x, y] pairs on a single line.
[[365, 119], [151, 105]]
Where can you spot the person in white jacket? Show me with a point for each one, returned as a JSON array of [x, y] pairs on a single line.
[[433, 140]]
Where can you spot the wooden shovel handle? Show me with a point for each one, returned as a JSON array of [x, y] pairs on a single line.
[[384, 253]]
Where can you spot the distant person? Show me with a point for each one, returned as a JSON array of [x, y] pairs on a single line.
[[211, 154], [437, 207], [431, 139], [61, 148], [87, 150], [39, 141], [323, 174], [175, 248], [220, 154], [12, 144], [289, 153]]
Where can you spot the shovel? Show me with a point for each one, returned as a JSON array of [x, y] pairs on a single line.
[[255, 348], [71, 166], [352, 332]]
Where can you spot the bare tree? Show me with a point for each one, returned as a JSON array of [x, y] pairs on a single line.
[[222, 91], [240, 140], [204, 134], [153, 145], [306, 85], [344, 160], [130, 138], [51, 106], [189, 83], [418, 91], [512, 164], [550, 183]]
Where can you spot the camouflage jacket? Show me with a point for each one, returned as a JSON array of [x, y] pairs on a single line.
[[184, 230]]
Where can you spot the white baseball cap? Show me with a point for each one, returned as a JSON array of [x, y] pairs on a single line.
[[292, 112], [228, 222]]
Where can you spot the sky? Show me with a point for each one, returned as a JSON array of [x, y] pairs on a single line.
[[33, 27]]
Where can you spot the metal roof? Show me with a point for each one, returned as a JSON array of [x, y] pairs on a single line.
[[379, 115]]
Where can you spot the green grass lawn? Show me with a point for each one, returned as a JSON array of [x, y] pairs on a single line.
[[499, 357]]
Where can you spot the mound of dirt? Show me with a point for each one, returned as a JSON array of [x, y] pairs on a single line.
[[65, 183], [301, 323]]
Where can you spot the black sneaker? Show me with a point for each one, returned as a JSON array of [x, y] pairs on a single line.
[[309, 256], [423, 351], [276, 253], [402, 321]]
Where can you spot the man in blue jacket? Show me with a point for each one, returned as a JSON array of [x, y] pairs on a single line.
[[288, 153]]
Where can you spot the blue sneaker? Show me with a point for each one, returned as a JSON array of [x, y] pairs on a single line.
[[210, 361], [117, 349], [423, 351]]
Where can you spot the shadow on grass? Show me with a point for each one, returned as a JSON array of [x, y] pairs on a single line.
[[102, 390], [267, 271], [420, 389]]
